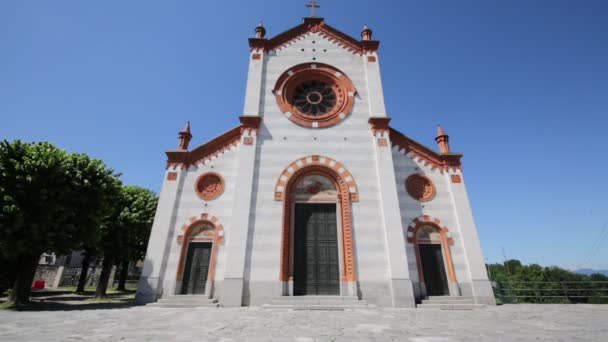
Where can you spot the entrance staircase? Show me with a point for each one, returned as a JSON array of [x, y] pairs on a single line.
[[449, 303], [317, 303], [186, 301]]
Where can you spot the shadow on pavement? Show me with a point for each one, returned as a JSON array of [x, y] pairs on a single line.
[[70, 301]]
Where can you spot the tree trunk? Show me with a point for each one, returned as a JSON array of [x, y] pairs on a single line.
[[26, 269], [122, 278], [84, 272], [102, 285]]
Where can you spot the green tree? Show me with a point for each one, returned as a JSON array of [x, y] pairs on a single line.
[[98, 188], [537, 284], [44, 206], [126, 230]]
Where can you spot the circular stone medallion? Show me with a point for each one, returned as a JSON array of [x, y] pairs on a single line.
[[209, 185], [420, 187]]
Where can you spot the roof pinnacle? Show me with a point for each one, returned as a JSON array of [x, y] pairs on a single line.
[[443, 140], [260, 31], [366, 34]]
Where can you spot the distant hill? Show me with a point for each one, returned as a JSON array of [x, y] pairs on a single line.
[[588, 271]]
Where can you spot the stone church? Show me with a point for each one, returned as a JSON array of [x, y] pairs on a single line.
[[314, 194]]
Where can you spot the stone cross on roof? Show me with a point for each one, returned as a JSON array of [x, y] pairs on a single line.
[[313, 4]]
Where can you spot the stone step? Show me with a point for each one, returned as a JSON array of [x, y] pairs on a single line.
[[312, 299], [447, 301], [324, 306], [186, 301], [450, 306], [317, 303], [184, 305], [449, 297]]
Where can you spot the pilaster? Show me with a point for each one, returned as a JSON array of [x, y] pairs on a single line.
[[157, 255], [399, 276], [480, 284], [237, 235], [374, 84], [253, 90]]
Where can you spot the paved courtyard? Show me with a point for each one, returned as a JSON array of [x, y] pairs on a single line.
[[120, 323]]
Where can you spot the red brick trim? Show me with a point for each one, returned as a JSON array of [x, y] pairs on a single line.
[[287, 174], [371, 59], [214, 147], [379, 124], [456, 179], [184, 238], [319, 26], [205, 177], [256, 56], [446, 242], [347, 191], [171, 176], [290, 79], [426, 156]]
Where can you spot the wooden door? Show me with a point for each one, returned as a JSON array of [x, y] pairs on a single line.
[[316, 264], [433, 269], [196, 268]]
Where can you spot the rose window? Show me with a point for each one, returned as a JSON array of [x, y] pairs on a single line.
[[314, 95], [314, 98]]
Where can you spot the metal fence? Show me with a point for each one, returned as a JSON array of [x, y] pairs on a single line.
[[592, 292]]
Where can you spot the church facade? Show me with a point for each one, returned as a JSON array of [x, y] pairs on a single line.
[[314, 193]]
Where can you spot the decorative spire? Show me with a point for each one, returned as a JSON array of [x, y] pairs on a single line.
[[366, 34], [260, 31], [443, 140], [184, 137]]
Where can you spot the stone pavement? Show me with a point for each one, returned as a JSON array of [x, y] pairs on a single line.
[[502, 323]]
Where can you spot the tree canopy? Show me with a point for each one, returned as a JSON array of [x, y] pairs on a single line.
[[50, 201]]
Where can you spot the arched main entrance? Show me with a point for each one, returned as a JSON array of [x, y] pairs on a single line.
[[317, 242]]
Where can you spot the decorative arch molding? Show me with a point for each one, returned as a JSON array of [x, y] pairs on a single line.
[[193, 231], [445, 240], [347, 193], [318, 162]]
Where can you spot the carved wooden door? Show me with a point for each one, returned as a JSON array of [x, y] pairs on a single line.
[[316, 264], [196, 268]]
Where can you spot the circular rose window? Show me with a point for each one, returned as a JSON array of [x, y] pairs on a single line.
[[420, 187], [314, 95], [209, 185]]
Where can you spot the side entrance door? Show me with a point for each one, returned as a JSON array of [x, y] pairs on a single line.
[[316, 264], [196, 268], [433, 269]]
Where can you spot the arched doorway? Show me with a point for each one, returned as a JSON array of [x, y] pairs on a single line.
[[200, 242], [317, 242], [433, 257], [315, 231], [431, 260]]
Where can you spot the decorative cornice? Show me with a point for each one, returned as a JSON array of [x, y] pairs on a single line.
[[417, 151], [250, 123], [314, 25], [379, 124], [215, 146]]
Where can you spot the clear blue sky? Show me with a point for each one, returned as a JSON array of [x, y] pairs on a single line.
[[521, 87]]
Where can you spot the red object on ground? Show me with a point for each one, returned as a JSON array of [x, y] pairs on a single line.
[[38, 284]]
